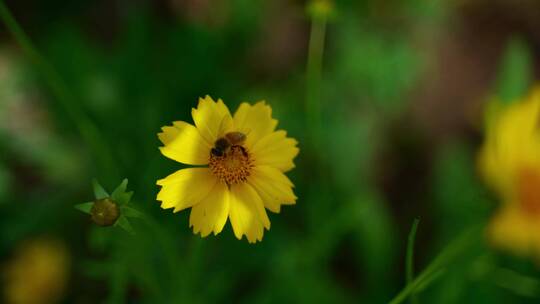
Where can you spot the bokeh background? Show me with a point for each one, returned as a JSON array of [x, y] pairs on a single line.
[[402, 95]]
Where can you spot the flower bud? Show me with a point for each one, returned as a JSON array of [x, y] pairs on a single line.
[[321, 9], [105, 212]]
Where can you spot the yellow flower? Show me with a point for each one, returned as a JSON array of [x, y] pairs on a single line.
[[516, 231], [37, 274], [241, 159], [510, 163]]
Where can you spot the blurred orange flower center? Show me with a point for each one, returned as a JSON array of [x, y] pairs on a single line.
[[529, 191], [232, 167]]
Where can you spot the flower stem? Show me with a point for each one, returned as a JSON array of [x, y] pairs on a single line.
[[87, 129], [314, 75], [438, 265]]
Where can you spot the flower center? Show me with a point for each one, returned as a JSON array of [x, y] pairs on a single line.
[[233, 166], [529, 191]]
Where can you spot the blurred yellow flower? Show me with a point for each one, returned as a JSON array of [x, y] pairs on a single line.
[[242, 161], [37, 274], [510, 163]]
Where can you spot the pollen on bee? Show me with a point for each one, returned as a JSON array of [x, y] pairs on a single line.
[[233, 167]]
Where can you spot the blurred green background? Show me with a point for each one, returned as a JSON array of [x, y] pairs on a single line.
[[401, 100]]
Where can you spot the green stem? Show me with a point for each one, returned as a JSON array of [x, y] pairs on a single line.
[[437, 266], [314, 76], [87, 129], [410, 257]]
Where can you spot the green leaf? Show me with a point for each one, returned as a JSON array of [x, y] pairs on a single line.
[[99, 192], [515, 72], [131, 212], [123, 223], [515, 282], [120, 195], [124, 198], [85, 207]]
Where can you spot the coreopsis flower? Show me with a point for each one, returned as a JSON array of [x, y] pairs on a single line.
[[37, 274], [510, 164], [241, 160]]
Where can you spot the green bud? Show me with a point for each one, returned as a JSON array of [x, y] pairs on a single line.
[[321, 9], [105, 212]]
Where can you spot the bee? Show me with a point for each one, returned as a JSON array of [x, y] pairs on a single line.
[[224, 144]]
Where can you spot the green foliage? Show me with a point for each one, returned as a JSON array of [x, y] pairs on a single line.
[[120, 195], [515, 73], [5, 180], [384, 66], [99, 192], [123, 223], [410, 256], [455, 172], [126, 73], [85, 207]]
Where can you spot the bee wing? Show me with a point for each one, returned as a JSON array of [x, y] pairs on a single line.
[[224, 125], [247, 131]]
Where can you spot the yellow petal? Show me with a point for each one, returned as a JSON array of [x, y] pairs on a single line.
[[255, 121], [516, 231], [512, 141], [274, 188], [184, 144], [276, 150], [212, 119], [185, 188], [212, 212], [247, 213]]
